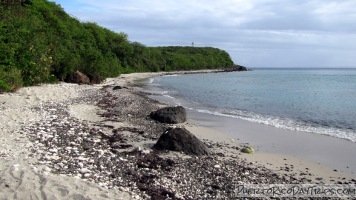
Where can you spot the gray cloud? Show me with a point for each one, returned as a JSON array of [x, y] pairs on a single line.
[[256, 33]]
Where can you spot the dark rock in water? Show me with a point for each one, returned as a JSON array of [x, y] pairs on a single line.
[[170, 115], [241, 68], [180, 139], [117, 88], [78, 77], [236, 68]]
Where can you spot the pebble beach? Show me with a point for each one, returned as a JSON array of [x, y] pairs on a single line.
[[69, 141]]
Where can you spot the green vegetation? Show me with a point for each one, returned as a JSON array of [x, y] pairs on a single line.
[[187, 58], [41, 43]]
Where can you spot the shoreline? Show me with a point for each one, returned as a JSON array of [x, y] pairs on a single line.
[[324, 149], [300, 147], [93, 142]]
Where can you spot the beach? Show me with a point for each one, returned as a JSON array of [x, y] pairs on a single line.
[[323, 155], [56, 143]]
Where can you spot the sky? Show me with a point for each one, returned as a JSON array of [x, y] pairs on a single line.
[[256, 33]]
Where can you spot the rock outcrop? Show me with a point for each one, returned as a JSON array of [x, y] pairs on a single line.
[[236, 68], [78, 77], [170, 115], [180, 139]]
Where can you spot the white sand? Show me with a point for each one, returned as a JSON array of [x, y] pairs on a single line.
[[16, 111], [19, 179], [85, 112]]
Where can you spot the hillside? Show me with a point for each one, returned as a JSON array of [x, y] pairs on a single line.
[[41, 43]]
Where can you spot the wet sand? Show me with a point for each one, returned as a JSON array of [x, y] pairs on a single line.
[[333, 152]]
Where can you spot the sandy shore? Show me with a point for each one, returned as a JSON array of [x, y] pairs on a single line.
[[56, 142], [22, 176], [331, 154]]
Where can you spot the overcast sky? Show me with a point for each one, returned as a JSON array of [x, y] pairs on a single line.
[[256, 33]]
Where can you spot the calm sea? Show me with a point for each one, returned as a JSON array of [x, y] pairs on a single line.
[[321, 101]]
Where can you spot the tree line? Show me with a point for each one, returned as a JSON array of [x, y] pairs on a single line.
[[41, 43]]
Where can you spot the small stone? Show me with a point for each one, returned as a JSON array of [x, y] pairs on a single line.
[[81, 158], [80, 165], [122, 159], [74, 144], [61, 165], [57, 167], [47, 169], [54, 157], [217, 166], [117, 87], [146, 151], [248, 150], [84, 170]]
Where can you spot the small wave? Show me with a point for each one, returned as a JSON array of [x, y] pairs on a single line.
[[285, 123], [165, 94], [168, 96], [171, 75], [151, 80]]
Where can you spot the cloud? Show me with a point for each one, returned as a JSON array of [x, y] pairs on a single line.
[[256, 33]]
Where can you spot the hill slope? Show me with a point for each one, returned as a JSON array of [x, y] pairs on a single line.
[[41, 43]]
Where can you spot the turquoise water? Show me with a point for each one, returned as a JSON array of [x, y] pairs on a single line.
[[321, 101]]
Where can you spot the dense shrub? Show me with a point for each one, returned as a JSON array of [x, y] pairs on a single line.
[[10, 80]]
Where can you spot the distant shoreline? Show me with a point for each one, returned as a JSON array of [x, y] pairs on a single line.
[[304, 68]]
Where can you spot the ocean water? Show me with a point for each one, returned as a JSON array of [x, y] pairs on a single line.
[[320, 101]]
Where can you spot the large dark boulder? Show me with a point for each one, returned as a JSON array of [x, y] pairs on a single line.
[[78, 77], [180, 139], [170, 115]]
